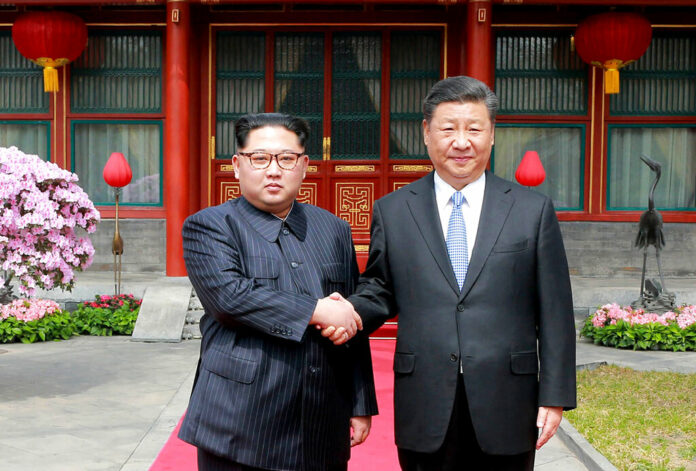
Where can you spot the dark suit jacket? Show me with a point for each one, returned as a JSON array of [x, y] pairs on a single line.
[[511, 326], [270, 391]]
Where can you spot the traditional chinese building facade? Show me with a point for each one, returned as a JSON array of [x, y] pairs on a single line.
[[163, 82]]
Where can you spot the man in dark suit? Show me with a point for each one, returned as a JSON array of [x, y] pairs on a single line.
[[271, 392], [475, 268]]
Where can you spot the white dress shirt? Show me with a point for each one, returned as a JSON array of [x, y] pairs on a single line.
[[471, 209]]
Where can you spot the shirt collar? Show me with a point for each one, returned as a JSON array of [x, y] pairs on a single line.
[[473, 192], [269, 225]]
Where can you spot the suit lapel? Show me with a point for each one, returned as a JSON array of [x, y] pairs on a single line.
[[496, 207], [423, 208]]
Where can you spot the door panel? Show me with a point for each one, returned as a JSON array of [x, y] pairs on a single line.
[[356, 96], [299, 82], [361, 92]]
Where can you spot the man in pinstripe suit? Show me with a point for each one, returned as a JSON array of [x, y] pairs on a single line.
[[271, 393]]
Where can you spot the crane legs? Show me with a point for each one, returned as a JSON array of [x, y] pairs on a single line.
[[642, 276], [659, 269], [654, 296]]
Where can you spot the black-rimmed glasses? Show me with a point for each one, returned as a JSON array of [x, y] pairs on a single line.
[[262, 160]]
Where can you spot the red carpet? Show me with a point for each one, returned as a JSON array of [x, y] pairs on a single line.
[[378, 453]]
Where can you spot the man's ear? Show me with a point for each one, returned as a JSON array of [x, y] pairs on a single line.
[[426, 132], [303, 162], [235, 164]]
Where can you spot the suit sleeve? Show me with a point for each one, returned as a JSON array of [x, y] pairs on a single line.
[[364, 395], [374, 299], [556, 320], [214, 267]]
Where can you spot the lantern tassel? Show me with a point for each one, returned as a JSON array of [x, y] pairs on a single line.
[[611, 76], [50, 79], [611, 81]]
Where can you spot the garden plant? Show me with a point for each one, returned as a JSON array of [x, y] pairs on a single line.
[[41, 209], [107, 315], [34, 320], [625, 327]]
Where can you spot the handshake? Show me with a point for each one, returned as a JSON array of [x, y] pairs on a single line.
[[336, 318]]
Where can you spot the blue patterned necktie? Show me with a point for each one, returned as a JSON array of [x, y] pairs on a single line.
[[456, 239]]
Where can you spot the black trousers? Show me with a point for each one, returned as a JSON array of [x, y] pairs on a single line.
[[210, 462], [460, 450]]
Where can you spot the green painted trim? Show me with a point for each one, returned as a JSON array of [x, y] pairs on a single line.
[[48, 131], [227, 75], [550, 73], [610, 127], [124, 121], [582, 128]]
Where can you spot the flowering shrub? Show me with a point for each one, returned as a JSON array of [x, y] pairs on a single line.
[[113, 302], [107, 315], [40, 207], [625, 327], [35, 319]]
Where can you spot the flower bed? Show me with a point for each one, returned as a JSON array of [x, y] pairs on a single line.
[[31, 320], [107, 315], [625, 327]]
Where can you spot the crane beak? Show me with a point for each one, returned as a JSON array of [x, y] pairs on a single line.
[[654, 166]]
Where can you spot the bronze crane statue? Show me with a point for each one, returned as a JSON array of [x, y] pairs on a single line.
[[117, 250], [650, 229]]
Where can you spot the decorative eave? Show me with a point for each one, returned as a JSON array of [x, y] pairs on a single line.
[[606, 3]]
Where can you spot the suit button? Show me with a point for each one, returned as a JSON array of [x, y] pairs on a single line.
[[313, 369], [294, 264], [460, 307], [453, 357]]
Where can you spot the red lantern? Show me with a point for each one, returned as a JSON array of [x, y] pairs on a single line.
[[50, 39], [117, 172], [530, 172], [612, 40]]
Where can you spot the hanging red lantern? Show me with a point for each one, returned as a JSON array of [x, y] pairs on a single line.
[[612, 40], [50, 39], [530, 172], [117, 172]]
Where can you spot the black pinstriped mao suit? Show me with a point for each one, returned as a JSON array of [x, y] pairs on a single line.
[[271, 392]]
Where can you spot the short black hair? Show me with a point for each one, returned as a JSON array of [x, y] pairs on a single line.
[[460, 89], [249, 122]]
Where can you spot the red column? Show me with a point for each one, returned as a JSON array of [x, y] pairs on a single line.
[[176, 131], [479, 37]]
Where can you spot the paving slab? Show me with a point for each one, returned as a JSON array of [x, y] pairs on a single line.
[[107, 403], [87, 403], [163, 311]]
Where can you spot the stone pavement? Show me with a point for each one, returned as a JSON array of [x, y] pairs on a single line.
[[107, 403]]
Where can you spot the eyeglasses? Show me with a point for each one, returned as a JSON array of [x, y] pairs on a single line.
[[262, 160]]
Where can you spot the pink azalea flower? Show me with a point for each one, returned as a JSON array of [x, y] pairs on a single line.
[[683, 317], [40, 206], [28, 310]]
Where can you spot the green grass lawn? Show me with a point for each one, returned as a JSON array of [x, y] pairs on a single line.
[[638, 420]]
